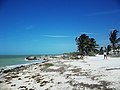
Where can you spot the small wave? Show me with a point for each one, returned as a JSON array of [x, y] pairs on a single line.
[[18, 65]]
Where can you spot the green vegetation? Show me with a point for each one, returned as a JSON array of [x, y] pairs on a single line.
[[48, 64], [101, 51], [108, 48], [71, 55], [114, 39], [86, 45], [114, 48]]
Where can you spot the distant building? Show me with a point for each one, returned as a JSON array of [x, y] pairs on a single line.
[[116, 52]]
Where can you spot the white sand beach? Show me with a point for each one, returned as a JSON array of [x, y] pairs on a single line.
[[92, 73]]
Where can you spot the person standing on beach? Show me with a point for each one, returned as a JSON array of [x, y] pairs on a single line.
[[105, 55]]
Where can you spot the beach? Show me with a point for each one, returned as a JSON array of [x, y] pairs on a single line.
[[92, 73]]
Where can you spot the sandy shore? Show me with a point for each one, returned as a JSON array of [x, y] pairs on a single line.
[[94, 73]]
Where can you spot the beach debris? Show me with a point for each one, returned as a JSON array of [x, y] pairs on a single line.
[[9, 82], [76, 70], [33, 76], [31, 89], [8, 78], [38, 80], [13, 85], [23, 88], [16, 69], [43, 83], [48, 64], [51, 80], [26, 76], [6, 71], [27, 81], [1, 81], [113, 69], [47, 89], [59, 82]]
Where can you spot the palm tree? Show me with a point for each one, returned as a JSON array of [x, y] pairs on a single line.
[[113, 38], [101, 51], [92, 46], [108, 48], [85, 44], [81, 43]]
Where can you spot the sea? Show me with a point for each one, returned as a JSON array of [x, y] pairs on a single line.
[[15, 60]]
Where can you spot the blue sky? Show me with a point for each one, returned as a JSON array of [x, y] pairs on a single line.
[[50, 26]]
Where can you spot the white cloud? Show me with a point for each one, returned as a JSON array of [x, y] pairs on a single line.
[[87, 33], [63, 36]]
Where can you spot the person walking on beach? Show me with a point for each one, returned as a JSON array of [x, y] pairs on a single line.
[[105, 55]]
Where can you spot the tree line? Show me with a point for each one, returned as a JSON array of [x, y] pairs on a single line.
[[89, 46]]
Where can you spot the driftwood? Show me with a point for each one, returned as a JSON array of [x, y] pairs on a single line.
[[113, 69]]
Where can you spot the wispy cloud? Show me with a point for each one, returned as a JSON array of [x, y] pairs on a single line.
[[87, 33], [104, 12], [56, 36], [63, 36]]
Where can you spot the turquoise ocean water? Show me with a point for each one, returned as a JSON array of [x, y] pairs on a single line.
[[9, 60]]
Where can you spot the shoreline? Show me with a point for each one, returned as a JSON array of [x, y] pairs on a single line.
[[2, 69], [58, 74]]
